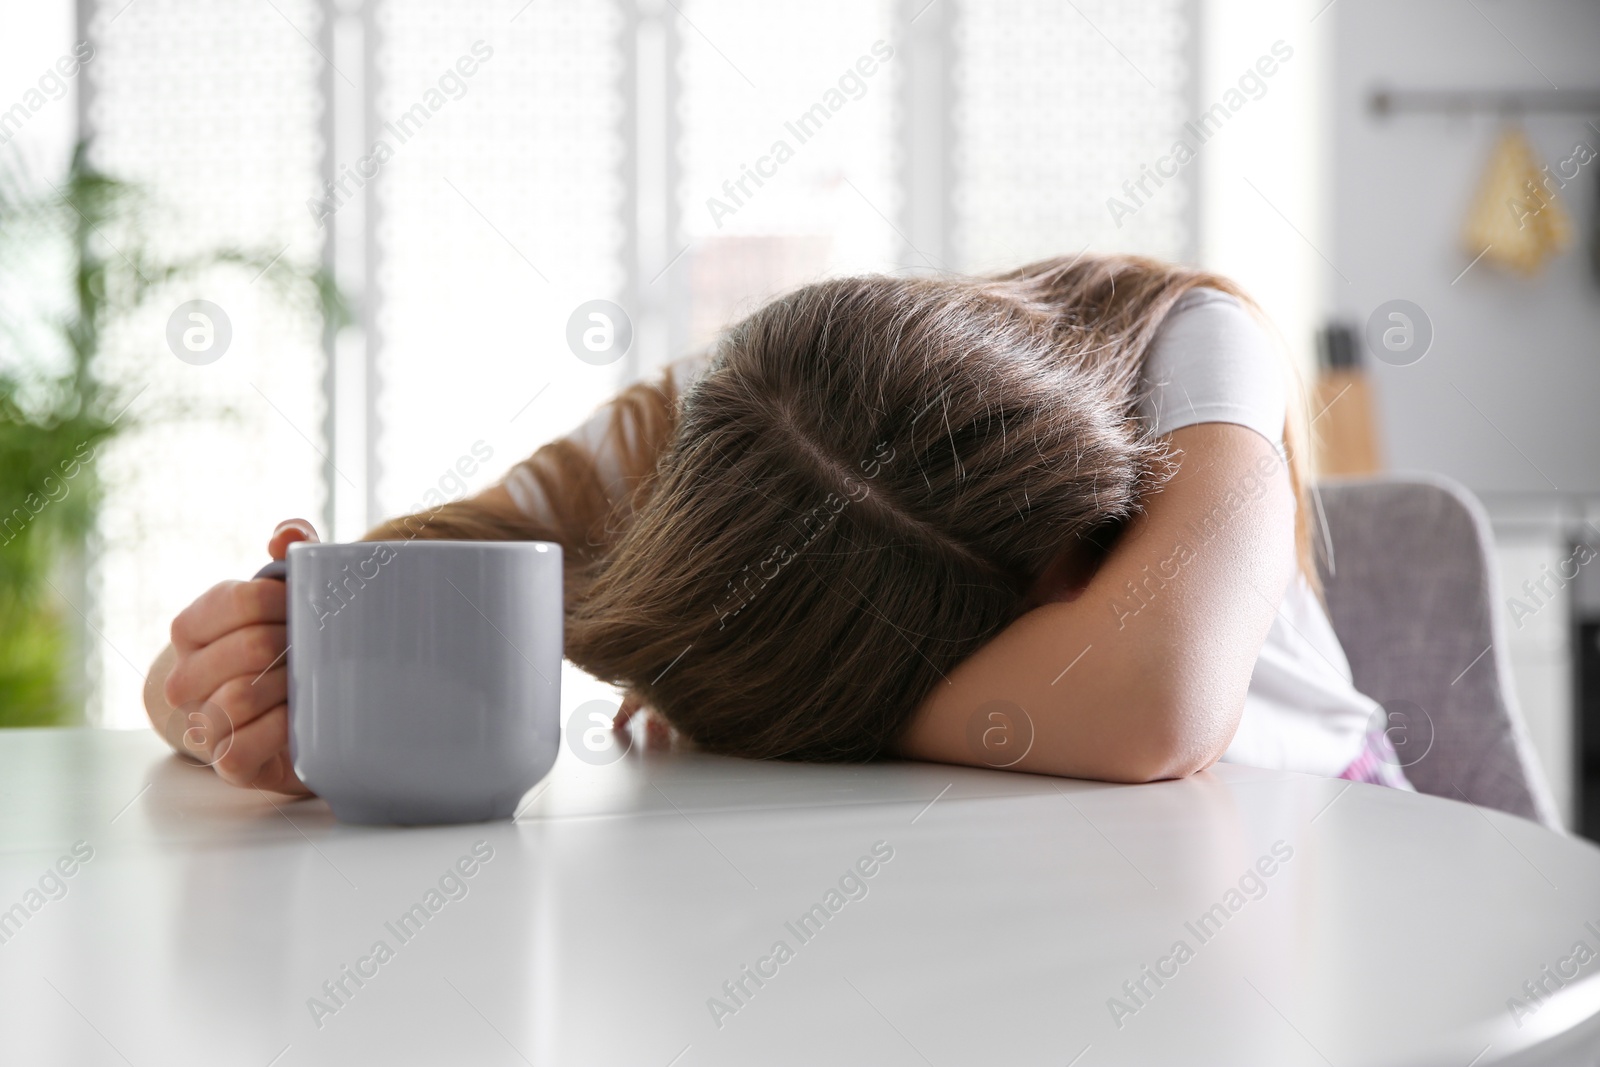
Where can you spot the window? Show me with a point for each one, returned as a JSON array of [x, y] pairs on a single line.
[[537, 157], [215, 110]]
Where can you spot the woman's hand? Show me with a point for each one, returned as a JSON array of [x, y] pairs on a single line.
[[227, 689], [658, 733]]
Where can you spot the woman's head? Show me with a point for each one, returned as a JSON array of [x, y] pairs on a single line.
[[862, 489]]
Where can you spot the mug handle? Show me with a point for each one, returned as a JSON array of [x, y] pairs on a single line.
[[278, 568]]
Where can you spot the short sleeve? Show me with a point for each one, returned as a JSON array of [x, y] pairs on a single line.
[[1211, 361]]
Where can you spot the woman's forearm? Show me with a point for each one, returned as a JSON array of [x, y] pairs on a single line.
[[1144, 675]]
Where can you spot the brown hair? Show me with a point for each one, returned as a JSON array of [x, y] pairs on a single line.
[[856, 495]]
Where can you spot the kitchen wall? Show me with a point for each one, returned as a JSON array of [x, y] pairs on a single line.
[[1507, 400]]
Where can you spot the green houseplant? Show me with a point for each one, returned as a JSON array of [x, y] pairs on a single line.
[[59, 406]]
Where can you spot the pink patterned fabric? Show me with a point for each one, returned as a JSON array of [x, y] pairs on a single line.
[[1378, 764]]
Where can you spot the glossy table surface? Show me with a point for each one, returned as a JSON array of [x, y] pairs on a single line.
[[956, 916]]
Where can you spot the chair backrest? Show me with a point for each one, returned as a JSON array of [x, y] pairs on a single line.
[[1410, 590]]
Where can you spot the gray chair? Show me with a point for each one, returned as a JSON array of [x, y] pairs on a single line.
[[1410, 590]]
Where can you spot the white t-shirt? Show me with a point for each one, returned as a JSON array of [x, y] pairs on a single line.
[[1211, 361]]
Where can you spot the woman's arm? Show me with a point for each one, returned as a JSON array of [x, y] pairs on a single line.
[[1144, 675]]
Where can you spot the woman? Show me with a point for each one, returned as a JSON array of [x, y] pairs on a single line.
[[889, 516]]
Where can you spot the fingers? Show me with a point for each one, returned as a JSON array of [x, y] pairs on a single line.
[[195, 730], [259, 755], [657, 732], [278, 776], [226, 607], [245, 652], [244, 700], [635, 716], [631, 706], [287, 533], [206, 730]]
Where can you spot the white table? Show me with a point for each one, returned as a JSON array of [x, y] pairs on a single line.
[[1014, 908]]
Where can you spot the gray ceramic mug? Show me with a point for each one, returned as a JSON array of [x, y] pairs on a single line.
[[424, 676]]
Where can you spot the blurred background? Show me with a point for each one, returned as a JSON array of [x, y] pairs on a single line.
[[271, 258]]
